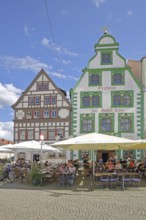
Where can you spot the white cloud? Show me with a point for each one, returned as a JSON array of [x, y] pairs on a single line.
[[66, 62], [28, 30], [129, 13], [24, 63], [8, 95], [98, 2], [29, 63], [6, 130], [60, 49]]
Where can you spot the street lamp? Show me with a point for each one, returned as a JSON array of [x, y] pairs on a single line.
[[41, 138]]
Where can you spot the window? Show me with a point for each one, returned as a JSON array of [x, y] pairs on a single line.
[[95, 100], [126, 122], [90, 99], [44, 132], [60, 133], [22, 135], [117, 100], [39, 86], [46, 114], [30, 135], [51, 135], [94, 79], [42, 86], [117, 79], [122, 99], [37, 114], [31, 100], [87, 123], [53, 114], [106, 57], [126, 100], [53, 100], [28, 115], [45, 86], [47, 100], [106, 123], [86, 101], [37, 100]]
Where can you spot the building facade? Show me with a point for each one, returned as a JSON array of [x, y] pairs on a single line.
[[42, 109], [138, 67], [108, 98]]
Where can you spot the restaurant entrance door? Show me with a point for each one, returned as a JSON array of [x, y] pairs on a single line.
[[105, 156]]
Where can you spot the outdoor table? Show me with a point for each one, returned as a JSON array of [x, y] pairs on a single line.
[[121, 175]]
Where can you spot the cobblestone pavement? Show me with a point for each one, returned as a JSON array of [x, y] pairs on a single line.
[[26, 202]]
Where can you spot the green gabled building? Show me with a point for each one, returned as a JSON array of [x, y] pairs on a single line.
[[108, 98]]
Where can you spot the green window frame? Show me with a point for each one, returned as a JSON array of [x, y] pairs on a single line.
[[95, 79], [118, 78], [126, 122], [87, 123], [106, 57], [122, 99], [106, 123], [90, 99]]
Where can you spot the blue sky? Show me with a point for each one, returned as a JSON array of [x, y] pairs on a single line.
[[60, 40]]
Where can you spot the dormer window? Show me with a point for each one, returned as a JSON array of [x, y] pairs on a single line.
[[42, 86], [106, 57]]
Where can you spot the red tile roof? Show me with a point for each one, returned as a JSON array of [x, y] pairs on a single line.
[[4, 141]]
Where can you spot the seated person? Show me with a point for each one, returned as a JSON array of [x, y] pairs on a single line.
[[62, 168], [110, 166], [118, 165], [86, 162]]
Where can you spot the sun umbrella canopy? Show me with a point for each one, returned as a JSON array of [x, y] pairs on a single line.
[[32, 146], [5, 150], [138, 145], [94, 141]]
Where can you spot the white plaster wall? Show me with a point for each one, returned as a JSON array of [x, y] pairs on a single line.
[[51, 87], [65, 104], [19, 114], [63, 113], [33, 87], [19, 105], [95, 62], [106, 40], [106, 99], [144, 72]]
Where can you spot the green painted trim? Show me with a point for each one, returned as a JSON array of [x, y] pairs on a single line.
[[106, 45], [121, 57], [126, 116], [142, 114]]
